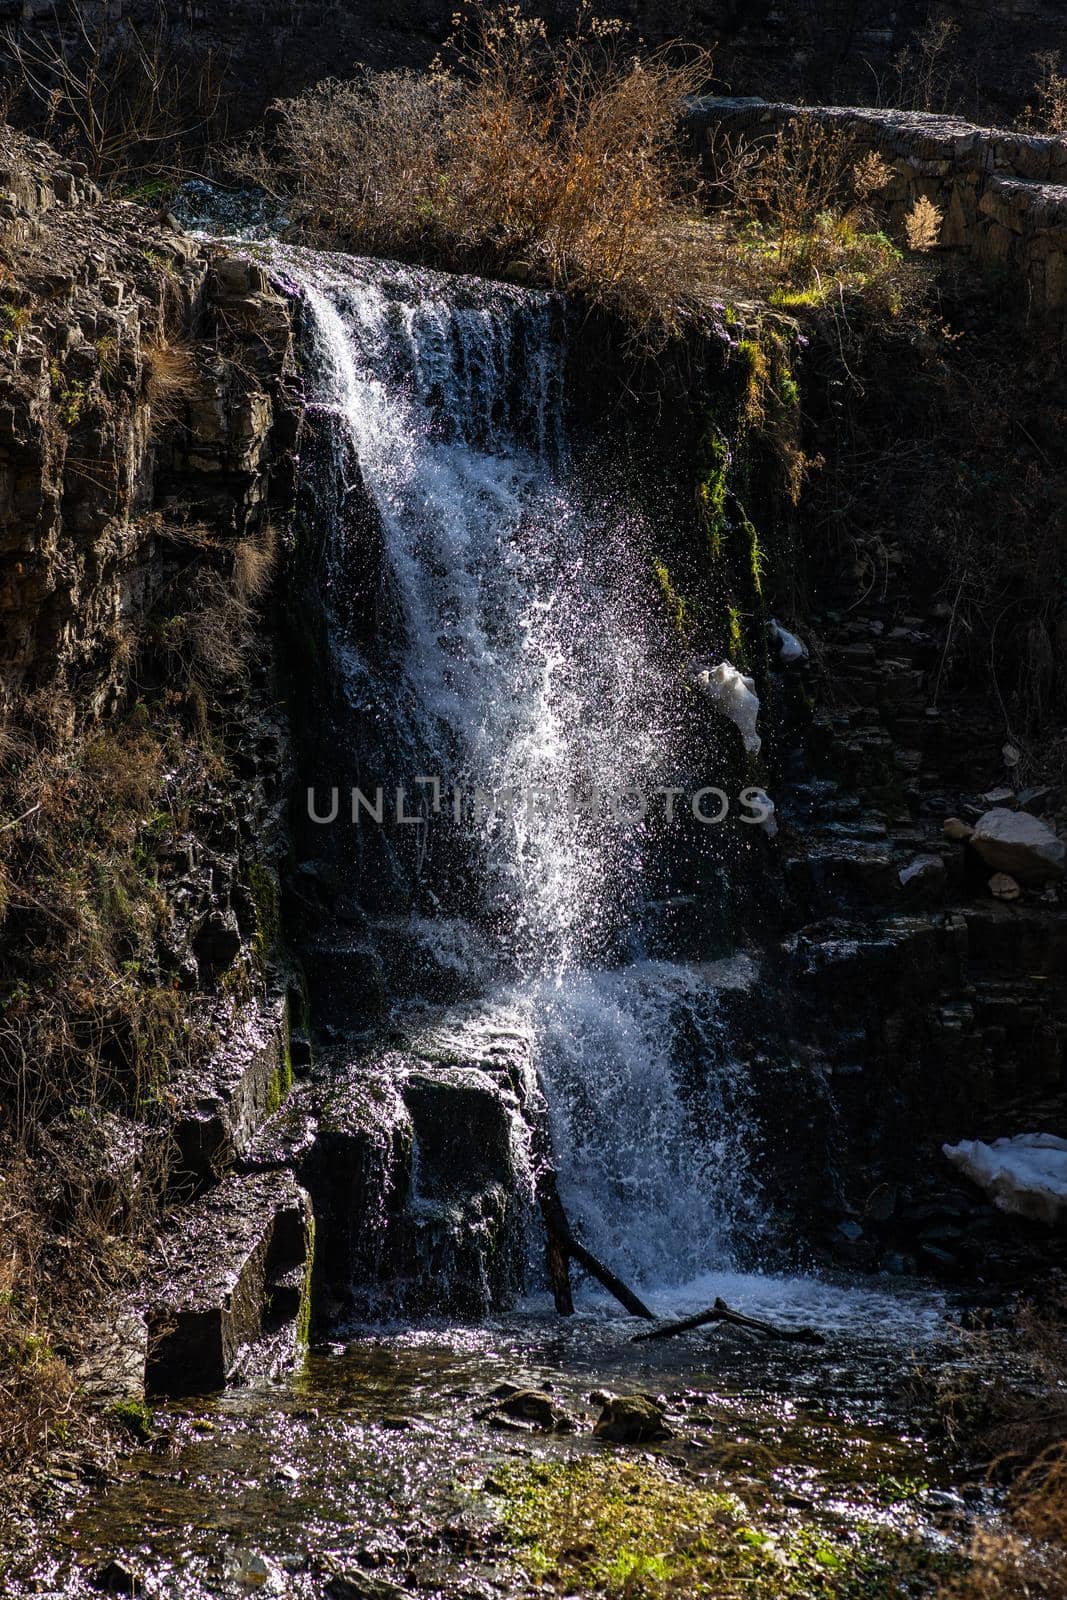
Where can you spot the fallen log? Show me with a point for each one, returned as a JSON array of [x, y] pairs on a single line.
[[721, 1312], [557, 1240]]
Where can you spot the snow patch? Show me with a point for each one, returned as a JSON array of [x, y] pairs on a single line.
[[1026, 1175], [736, 697]]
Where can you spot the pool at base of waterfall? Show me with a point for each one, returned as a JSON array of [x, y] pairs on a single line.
[[499, 1460]]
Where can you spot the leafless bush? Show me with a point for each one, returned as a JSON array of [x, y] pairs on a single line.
[[925, 75], [124, 97], [1046, 112]]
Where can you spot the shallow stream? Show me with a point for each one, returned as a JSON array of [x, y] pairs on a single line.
[[790, 1469]]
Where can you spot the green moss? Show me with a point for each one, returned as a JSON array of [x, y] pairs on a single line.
[[735, 645], [135, 1417], [632, 1530], [266, 897], [303, 1316], [711, 488], [755, 557], [675, 602]]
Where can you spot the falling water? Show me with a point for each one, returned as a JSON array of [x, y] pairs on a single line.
[[527, 662]]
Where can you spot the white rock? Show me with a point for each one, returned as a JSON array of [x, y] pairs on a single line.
[[736, 697], [790, 648], [1019, 844], [1003, 887], [922, 872], [760, 802], [1026, 1175]]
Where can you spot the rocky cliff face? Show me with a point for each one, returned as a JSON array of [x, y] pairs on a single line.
[[118, 335], [146, 429]]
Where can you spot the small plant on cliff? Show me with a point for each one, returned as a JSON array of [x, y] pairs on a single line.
[[171, 379]]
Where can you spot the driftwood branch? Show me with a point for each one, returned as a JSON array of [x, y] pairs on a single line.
[[557, 1240], [721, 1312], [614, 1285], [561, 1247]]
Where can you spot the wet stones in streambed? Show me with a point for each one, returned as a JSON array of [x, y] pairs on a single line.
[[119, 1577], [528, 1409], [632, 1419], [349, 1583]]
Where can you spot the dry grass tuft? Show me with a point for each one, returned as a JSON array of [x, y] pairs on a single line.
[[254, 562], [171, 380], [922, 225]]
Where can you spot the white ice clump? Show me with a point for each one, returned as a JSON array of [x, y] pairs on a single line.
[[1026, 1175], [790, 648], [735, 695]]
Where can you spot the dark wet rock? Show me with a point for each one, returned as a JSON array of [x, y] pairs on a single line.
[[221, 1109], [119, 1577], [229, 1292], [463, 1126], [358, 1173], [923, 879], [349, 1583], [217, 944], [286, 1139], [632, 1419], [346, 979]]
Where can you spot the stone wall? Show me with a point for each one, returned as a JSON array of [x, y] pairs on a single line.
[[1003, 196]]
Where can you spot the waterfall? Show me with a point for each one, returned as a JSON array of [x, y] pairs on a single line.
[[521, 674]]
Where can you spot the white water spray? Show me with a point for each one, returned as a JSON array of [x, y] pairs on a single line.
[[528, 663]]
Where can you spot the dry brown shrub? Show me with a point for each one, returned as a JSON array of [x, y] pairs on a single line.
[[36, 1388], [557, 161]]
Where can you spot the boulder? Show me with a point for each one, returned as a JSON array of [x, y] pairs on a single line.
[[229, 1292], [534, 1405], [1003, 887], [1017, 843], [631, 1419], [1026, 1175]]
